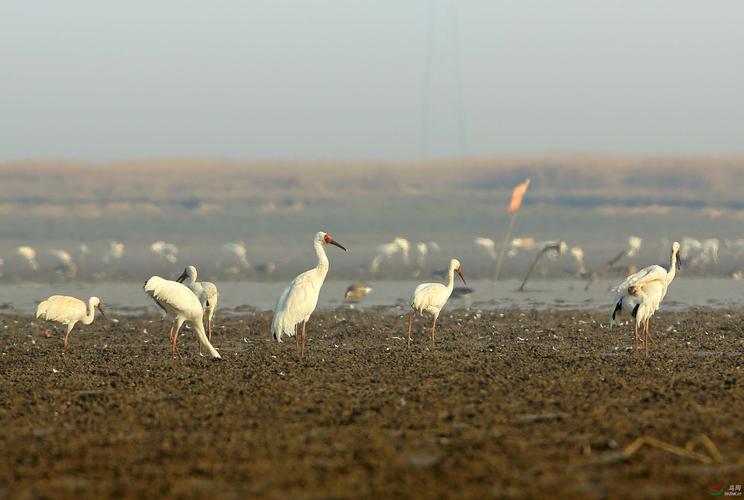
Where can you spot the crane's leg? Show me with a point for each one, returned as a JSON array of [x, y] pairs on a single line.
[[410, 327], [433, 328], [67, 336], [297, 339], [175, 336], [210, 313], [304, 336], [636, 340], [648, 330]]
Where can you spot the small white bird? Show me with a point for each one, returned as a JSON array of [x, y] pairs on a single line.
[[641, 294], [431, 298], [29, 254], [181, 305], [299, 299], [167, 251], [205, 291], [68, 311]]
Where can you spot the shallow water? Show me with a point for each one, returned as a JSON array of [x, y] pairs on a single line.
[[242, 296]]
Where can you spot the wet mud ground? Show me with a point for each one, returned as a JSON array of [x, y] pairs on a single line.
[[511, 403]]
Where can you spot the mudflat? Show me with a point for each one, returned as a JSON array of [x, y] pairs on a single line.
[[510, 403]]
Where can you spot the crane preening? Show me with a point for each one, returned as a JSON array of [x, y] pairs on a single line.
[[641, 294], [181, 305], [299, 299]]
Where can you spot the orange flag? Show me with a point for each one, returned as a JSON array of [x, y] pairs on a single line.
[[517, 196]]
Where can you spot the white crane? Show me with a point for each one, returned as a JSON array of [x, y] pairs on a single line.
[[423, 250], [640, 294], [66, 267], [578, 254], [68, 311], [114, 253], [634, 245], [29, 255], [234, 257], [181, 305], [524, 244], [689, 245], [167, 251], [431, 298], [489, 245], [298, 301], [205, 291], [388, 250]]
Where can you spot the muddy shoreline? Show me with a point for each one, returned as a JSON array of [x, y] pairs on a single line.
[[511, 403]]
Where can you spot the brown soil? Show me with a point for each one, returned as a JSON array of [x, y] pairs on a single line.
[[525, 405]]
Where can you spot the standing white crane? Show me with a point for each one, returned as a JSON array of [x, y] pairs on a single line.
[[578, 254], [298, 301], [29, 255], [431, 298], [68, 311], [641, 294], [634, 245], [114, 253], [167, 251], [489, 245], [525, 244], [181, 305], [234, 258], [66, 267], [423, 250], [205, 291], [388, 250]]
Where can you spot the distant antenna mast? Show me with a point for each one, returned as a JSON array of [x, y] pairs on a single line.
[[442, 93]]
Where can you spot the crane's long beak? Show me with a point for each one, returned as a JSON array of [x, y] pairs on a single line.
[[182, 277], [679, 262], [459, 273], [339, 245], [103, 313]]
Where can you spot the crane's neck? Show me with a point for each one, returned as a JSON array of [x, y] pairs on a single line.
[[451, 279], [88, 318], [672, 271], [322, 266]]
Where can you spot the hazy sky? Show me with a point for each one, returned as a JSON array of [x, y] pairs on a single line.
[[389, 79]]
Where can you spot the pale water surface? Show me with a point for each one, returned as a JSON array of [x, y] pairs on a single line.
[[245, 296]]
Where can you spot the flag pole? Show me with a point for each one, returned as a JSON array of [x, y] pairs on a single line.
[[503, 246]]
